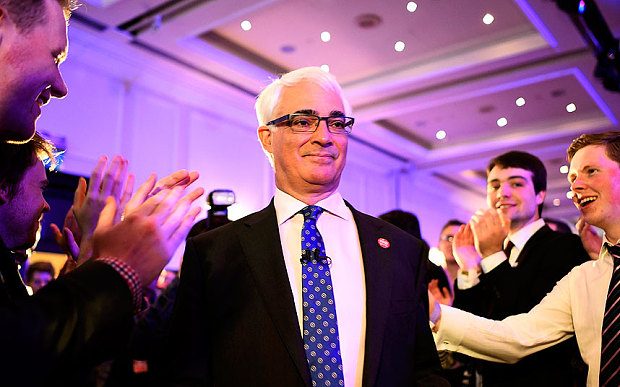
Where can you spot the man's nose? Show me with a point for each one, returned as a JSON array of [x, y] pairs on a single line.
[[322, 133], [59, 87]]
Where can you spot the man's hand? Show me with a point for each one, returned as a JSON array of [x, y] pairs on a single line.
[[115, 181], [464, 250], [442, 295], [434, 311], [590, 239], [490, 228], [69, 238], [150, 231]]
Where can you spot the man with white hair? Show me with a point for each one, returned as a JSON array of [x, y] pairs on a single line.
[[308, 291]]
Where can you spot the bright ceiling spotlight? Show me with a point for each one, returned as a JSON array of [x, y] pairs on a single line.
[[246, 25]]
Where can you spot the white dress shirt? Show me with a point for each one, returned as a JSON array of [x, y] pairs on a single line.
[[341, 239], [575, 306]]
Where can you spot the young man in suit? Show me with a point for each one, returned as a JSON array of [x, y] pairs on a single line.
[[511, 261], [85, 315], [583, 303], [245, 312]]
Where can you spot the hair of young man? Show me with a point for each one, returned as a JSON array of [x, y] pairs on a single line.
[[26, 14], [611, 141], [452, 222], [406, 221], [15, 159], [40, 266], [527, 161]]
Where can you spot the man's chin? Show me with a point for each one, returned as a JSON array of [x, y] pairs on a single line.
[[16, 135]]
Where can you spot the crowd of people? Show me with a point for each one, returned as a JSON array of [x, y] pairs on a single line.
[[308, 291]]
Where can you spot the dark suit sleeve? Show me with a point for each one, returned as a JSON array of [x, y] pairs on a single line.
[[188, 347], [427, 366], [80, 319], [546, 258]]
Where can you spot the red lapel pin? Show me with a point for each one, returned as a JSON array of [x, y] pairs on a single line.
[[383, 243]]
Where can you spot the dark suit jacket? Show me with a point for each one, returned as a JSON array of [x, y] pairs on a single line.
[[235, 323], [505, 291], [74, 322]]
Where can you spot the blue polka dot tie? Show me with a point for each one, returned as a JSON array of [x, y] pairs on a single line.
[[320, 324]]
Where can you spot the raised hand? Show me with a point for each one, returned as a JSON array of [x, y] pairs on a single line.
[[114, 181], [490, 228], [150, 231], [590, 239], [464, 250], [441, 295]]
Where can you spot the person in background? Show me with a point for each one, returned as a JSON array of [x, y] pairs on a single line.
[[511, 260], [39, 274], [446, 238], [583, 304]]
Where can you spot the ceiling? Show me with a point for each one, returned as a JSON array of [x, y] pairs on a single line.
[[455, 73]]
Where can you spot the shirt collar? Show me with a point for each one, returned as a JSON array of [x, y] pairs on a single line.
[[287, 206], [520, 238], [604, 251]]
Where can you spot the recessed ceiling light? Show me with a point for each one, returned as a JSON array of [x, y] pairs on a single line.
[[569, 195], [502, 121], [564, 169], [571, 107], [556, 202], [520, 101], [325, 36], [441, 134], [488, 19], [325, 68], [246, 25], [412, 6], [399, 46]]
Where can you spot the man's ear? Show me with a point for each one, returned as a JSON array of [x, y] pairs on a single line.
[[540, 197], [265, 136], [4, 194]]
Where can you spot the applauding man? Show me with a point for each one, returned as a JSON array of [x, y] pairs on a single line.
[[510, 260]]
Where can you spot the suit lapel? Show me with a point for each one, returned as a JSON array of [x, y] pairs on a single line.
[[263, 250], [378, 274], [531, 244]]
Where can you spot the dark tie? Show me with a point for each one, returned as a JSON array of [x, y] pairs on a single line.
[[320, 333], [610, 343], [508, 248]]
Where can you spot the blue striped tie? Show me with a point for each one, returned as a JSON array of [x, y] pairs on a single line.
[[320, 333], [610, 343]]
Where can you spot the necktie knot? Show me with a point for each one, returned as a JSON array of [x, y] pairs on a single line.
[[311, 212], [614, 250]]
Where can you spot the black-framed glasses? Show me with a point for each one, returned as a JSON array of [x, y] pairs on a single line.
[[309, 123]]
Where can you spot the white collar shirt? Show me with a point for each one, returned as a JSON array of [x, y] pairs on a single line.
[[341, 239]]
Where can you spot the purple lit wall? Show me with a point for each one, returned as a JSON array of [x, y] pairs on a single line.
[[163, 118]]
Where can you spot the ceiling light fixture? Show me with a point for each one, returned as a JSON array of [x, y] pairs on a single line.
[[571, 107], [399, 46], [520, 101], [488, 19], [325, 68], [412, 6], [564, 169], [502, 121], [441, 134], [569, 195], [246, 25], [556, 202], [326, 36]]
